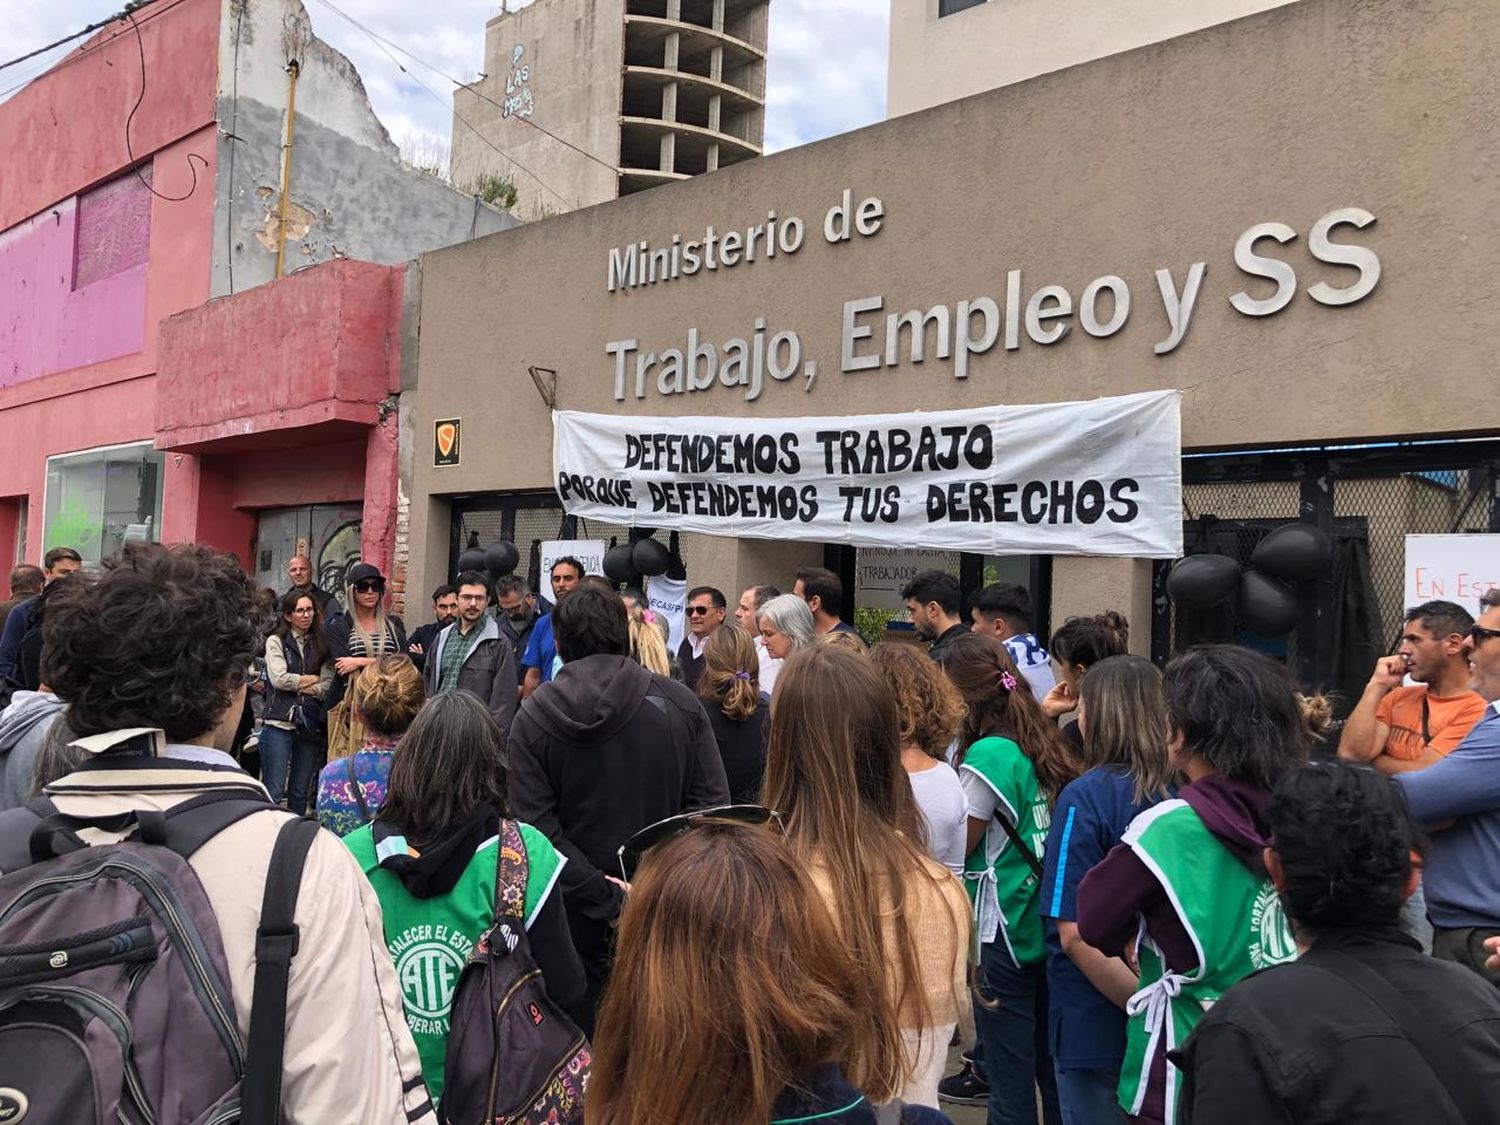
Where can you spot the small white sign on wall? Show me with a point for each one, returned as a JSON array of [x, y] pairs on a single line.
[[590, 552], [1454, 568]]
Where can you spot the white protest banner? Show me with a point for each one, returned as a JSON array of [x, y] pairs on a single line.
[[590, 552], [881, 572], [1076, 478], [1454, 568]]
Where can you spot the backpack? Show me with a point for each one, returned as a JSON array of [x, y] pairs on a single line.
[[514, 1057], [115, 1003]]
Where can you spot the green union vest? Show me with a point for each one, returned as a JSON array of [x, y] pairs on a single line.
[[1236, 925], [1000, 881], [430, 939]]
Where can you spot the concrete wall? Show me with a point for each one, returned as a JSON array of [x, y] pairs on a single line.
[[936, 60], [351, 196], [566, 79], [1157, 159]]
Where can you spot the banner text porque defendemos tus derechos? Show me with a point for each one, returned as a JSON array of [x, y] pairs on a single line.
[[1080, 478]]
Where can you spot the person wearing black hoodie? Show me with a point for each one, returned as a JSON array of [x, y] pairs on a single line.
[[1192, 870], [598, 753]]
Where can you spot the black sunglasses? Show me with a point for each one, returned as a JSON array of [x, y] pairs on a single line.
[[699, 610], [634, 849], [369, 586], [1478, 634]]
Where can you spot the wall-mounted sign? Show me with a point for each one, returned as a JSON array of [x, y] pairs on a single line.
[[1076, 478], [1452, 568], [881, 572], [445, 441]]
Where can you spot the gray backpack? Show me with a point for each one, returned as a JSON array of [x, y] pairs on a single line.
[[115, 1004]]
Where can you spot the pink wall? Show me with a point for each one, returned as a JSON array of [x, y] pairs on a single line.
[[73, 282], [69, 124]]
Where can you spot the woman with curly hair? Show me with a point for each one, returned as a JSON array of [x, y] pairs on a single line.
[[929, 712], [1013, 762], [833, 772], [733, 999], [730, 689]]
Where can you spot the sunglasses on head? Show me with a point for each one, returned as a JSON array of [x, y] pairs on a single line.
[[633, 850], [369, 586], [1479, 634]]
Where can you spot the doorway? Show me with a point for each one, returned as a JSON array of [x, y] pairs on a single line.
[[327, 534]]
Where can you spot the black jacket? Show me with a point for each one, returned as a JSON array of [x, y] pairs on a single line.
[[488, 671], [1296, 1043], [339, 633], [426, 636], [825, 1096], [742, 748], [600, 752], [519, 638]]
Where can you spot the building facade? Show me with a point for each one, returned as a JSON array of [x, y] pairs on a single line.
[[943, 50], [1266, 216], [583, 101], [210, 146]]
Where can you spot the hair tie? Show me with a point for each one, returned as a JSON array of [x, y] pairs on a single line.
[[1008, 681], [648, 617], [742, 676]]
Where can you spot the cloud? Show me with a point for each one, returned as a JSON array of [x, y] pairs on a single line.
[[826, 70]]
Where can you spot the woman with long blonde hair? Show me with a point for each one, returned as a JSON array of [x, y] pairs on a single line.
[[733, 1000], [834, 774], [730, 689], [647, 648]]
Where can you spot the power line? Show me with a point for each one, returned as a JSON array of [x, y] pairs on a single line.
[[464, 85], [439, 99], [85, 51], [58, 42]]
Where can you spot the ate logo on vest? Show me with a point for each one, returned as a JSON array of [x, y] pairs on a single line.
[[1272, 941], [428, 969]]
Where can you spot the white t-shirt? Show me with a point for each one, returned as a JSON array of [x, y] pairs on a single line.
[[940, 796]]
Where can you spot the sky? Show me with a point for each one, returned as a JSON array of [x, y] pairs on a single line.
[[826, 71]]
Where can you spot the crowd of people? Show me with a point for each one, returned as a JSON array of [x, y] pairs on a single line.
[[772, 874]]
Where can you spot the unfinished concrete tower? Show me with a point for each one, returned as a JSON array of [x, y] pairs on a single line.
[[586, 100]]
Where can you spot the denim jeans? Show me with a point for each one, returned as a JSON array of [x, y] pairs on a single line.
[[1014, 1038], [285, 751], [1089, 1097]]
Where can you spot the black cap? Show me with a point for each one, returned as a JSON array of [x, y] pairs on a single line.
[[360, 572]]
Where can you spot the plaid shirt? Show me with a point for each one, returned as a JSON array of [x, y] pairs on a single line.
[[455, 651]]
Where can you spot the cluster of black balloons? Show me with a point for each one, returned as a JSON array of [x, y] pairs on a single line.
[[625, 563], [499, 559], [1266, 601]]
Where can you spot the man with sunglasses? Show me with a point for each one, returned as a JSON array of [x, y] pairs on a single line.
[[1458, 801], [705, 613]]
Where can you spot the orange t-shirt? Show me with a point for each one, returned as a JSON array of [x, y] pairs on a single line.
[[1449, 720]]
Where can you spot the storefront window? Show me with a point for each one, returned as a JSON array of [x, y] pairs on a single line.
[[97, 501]]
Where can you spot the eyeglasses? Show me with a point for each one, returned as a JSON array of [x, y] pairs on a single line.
[[698, 610], [369, 586], [1478, 634], [303, 609], [633, 850]]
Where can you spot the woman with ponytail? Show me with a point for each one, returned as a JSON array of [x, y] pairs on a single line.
[[1012, 762], [730, 689]]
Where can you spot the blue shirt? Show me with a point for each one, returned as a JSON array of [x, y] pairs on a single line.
[[541, 649], [16, 624], [1085, 1029], [1461, 876]]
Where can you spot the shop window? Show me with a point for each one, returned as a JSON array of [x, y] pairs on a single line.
[[951, 7], [99, 500], [114, 228]]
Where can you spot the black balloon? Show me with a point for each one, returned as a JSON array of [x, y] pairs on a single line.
[[618, 566], [1203, 581], [651, 557], [472, 559], [501, 557], [1296, 552], [1266, 605]]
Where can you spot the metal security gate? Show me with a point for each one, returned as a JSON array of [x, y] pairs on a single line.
[[1368, 498]]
